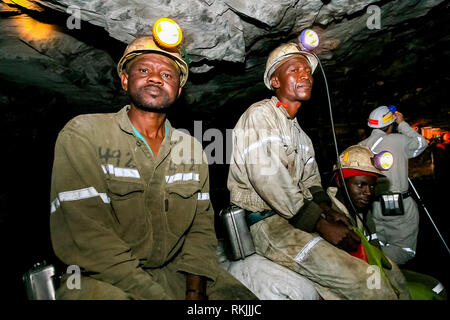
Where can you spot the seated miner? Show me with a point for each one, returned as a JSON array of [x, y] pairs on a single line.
[[130, 195], [353, 194], [273, 175]]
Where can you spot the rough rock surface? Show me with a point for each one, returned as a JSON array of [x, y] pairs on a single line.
[[39, 54], [227, 41]]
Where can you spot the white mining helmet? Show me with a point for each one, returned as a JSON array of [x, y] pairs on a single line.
[[381, 117], [280, 55]]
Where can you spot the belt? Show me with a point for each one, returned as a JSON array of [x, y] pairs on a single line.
[[404, 195], [254, 217]]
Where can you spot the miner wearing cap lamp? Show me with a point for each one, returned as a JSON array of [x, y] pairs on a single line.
[[130, 198], [395, 212], [273, 175], [359, 171], [359, 174]]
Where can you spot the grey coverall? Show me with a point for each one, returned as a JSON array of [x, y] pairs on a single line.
[[133, 224], [397, 234], [273, 167]]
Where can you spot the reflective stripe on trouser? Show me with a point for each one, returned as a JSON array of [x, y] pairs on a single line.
[[398, 234], [334, 273]]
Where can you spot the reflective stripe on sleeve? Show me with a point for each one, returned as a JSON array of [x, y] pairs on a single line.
[[409, 250], [183, 177], [438, 288], [418, 148], [303, 147], [77, 195], [375, 144], [203, 196], [120, 172], [373, 236], [306, 249], [263, 141]]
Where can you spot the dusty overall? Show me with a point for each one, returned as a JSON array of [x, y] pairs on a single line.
[[273, 167]]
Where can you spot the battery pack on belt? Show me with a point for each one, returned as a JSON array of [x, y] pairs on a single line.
[[392, 204]]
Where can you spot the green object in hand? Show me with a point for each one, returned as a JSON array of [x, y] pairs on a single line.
[[376, 257]]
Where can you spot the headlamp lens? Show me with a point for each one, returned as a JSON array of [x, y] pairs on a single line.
[[309, 39], [167, 33], [383, 160], [392, 108]]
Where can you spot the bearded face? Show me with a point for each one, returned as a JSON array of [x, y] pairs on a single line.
[[152, 82]]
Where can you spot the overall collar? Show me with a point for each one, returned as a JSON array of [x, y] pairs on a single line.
[[280, 107], [126, 125]]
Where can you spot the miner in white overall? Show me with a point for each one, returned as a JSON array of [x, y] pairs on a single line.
[[396, 214], [274, 177]]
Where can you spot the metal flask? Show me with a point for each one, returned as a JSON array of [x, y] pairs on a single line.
[[238, 239], [39, 282]]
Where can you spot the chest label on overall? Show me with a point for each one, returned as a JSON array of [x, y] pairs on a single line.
[[116, 157]]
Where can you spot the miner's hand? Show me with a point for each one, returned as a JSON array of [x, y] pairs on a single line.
[[338, 234]]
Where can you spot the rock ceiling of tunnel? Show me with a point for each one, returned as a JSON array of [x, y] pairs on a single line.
[[227, 41]]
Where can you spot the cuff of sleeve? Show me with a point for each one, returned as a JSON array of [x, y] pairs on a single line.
[[319, 195], [306, 218], [210, 273], [138, 283]]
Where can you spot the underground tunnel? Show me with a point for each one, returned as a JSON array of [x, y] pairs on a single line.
[[58, 60]]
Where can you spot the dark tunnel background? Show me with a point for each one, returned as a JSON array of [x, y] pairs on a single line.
[[32, 117]]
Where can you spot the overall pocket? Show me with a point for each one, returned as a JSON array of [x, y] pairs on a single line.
[[180, 206], [127, 201]]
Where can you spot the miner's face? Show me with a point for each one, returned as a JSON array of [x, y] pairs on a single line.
[[293, 80], [361, 190], [152, 82]]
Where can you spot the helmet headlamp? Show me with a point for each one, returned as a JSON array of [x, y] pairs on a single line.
[[383, 160], [308, 39], [167, 33]]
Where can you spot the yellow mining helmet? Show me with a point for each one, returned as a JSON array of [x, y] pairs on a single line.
[[165, 41], [362, 158]]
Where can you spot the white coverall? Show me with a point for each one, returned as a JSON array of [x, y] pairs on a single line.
[[273, 167], [397, 234], [271, 282]]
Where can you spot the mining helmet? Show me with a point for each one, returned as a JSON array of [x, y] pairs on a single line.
[[381, 117], [359, 158], [278, 56], [146, 44]]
